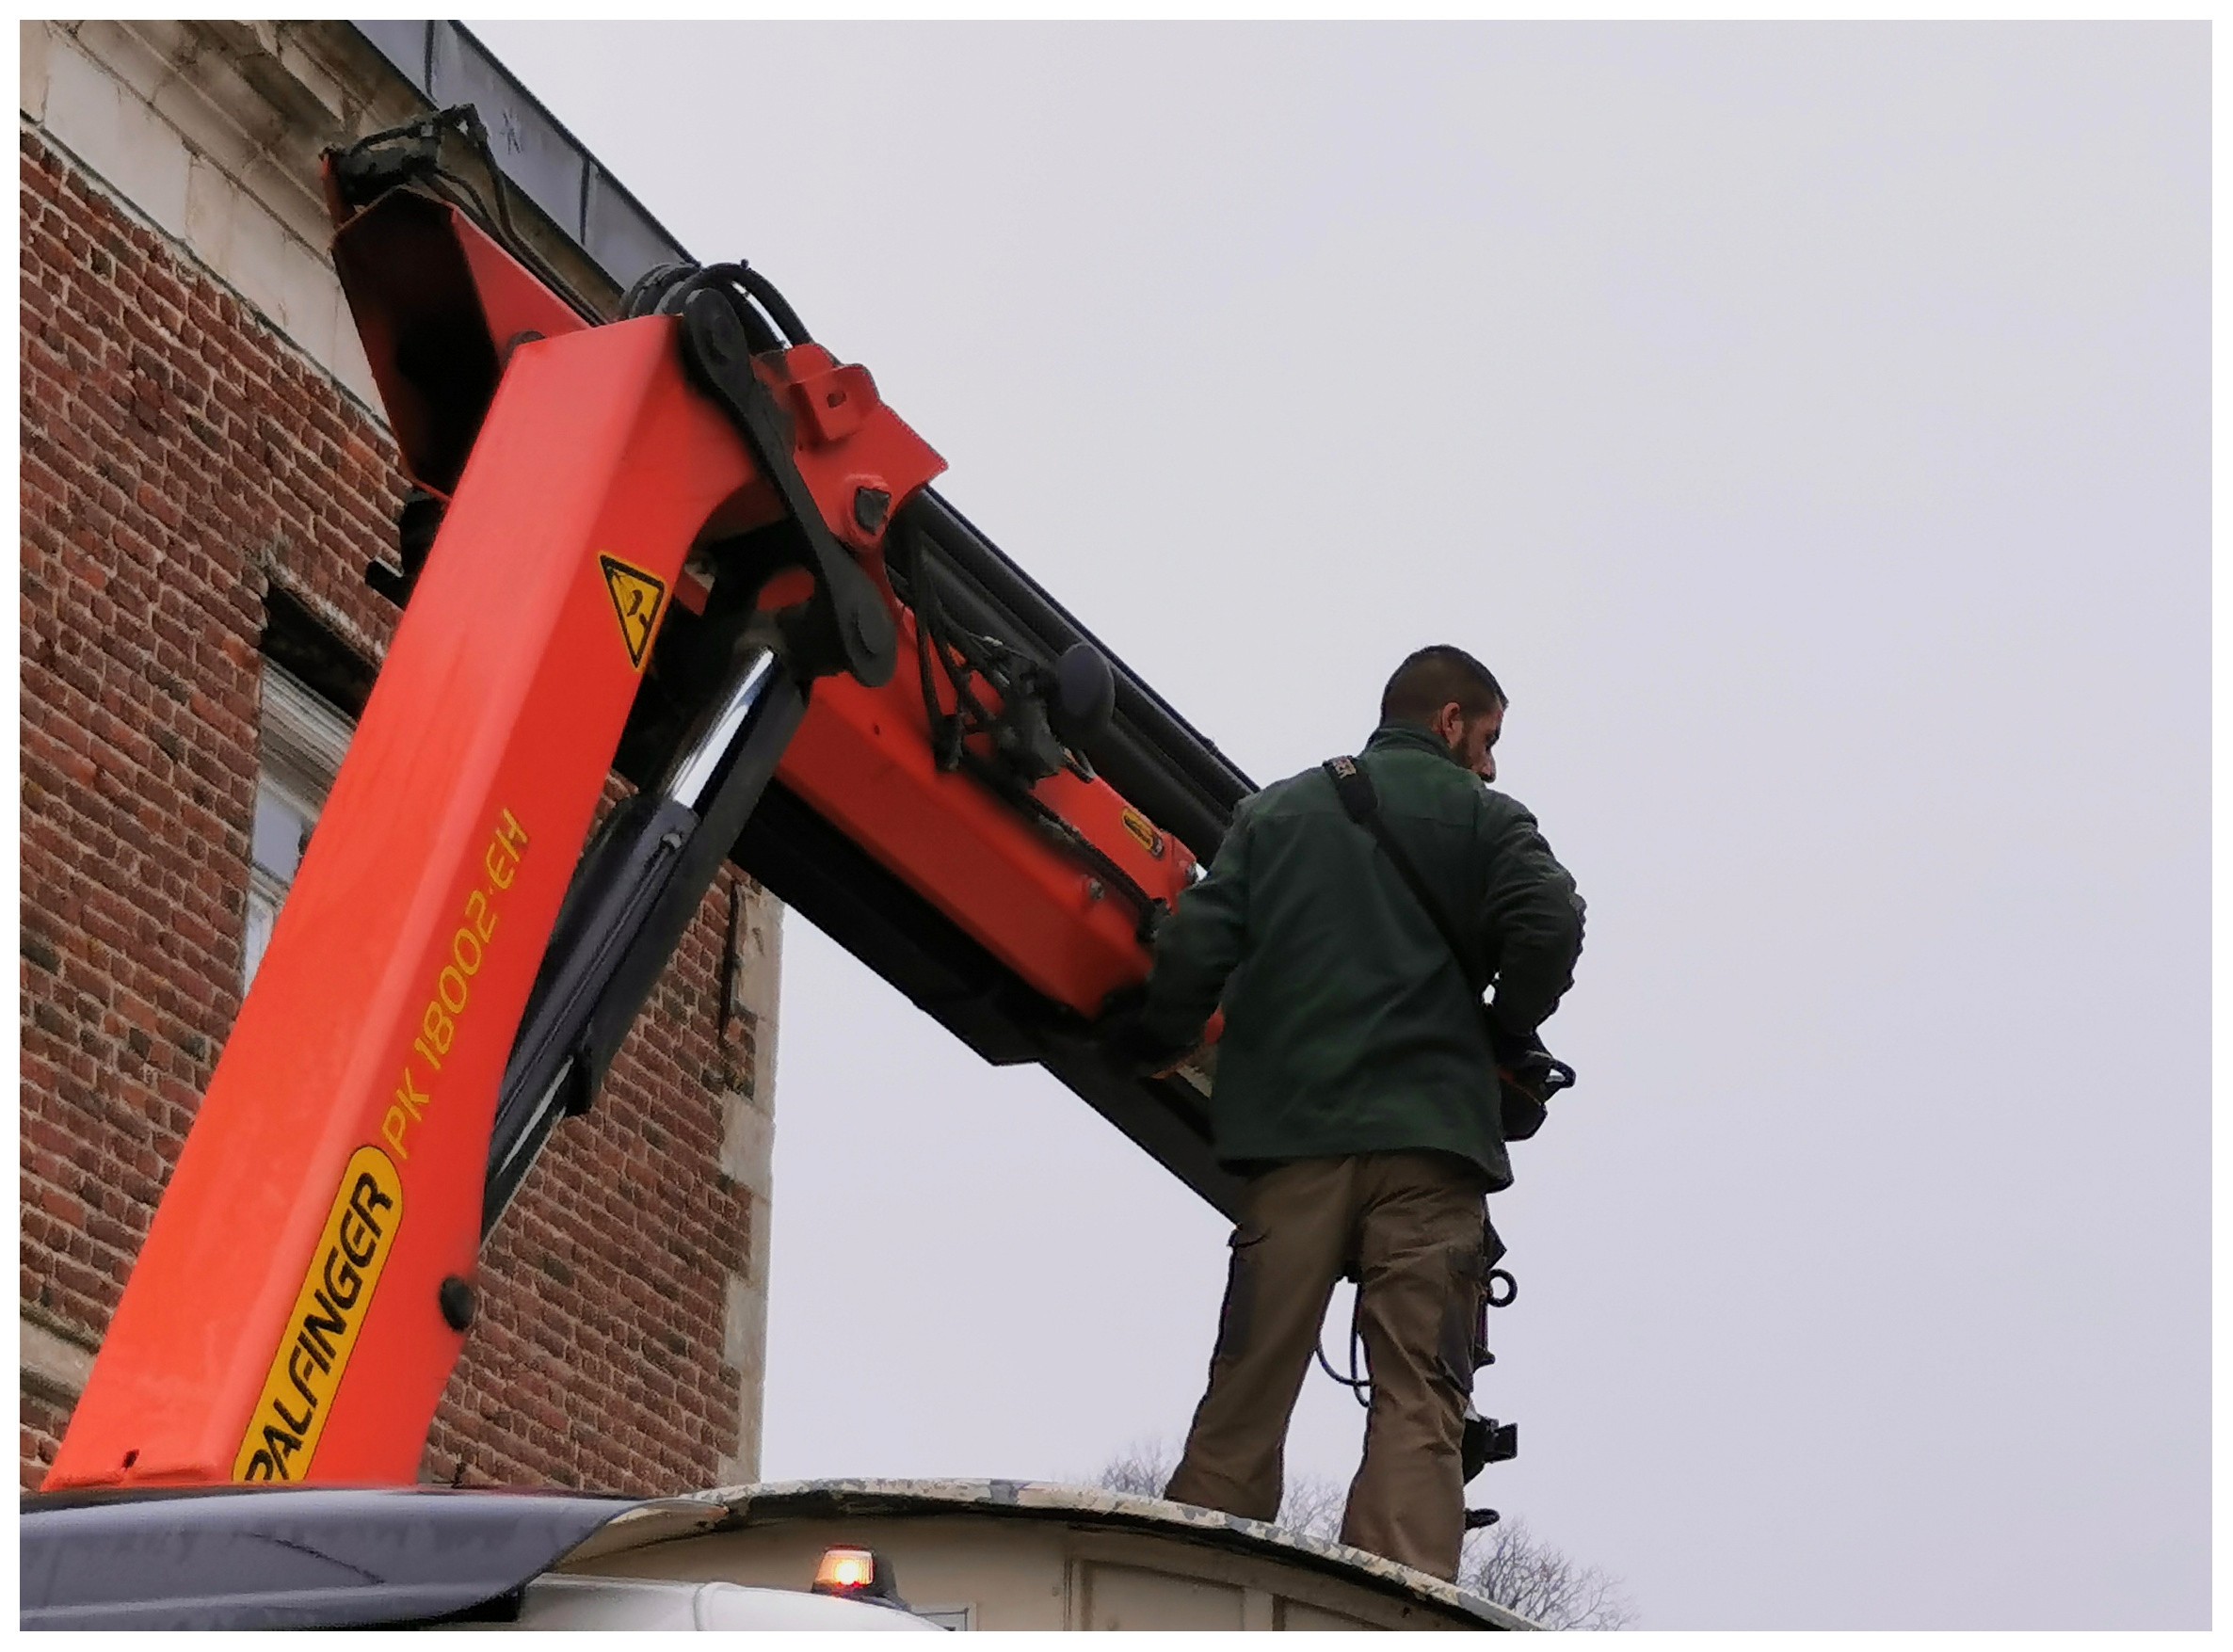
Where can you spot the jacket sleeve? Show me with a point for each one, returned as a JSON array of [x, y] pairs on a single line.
[[1199, 945], [1531, 922]]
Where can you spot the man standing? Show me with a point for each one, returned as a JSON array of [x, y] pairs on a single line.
[[1357, 1092]]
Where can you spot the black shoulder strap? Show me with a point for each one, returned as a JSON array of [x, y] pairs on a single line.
[[1362, 805]]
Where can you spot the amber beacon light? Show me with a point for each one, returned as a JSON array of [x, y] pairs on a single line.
[[858, 1574]]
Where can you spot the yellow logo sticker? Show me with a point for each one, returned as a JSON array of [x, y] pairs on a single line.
[[328, 1312], [1143, 832], [639, 600]]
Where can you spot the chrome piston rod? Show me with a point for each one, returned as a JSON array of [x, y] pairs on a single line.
[[638, 886]]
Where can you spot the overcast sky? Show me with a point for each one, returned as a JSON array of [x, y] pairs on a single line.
[[1810, 425]]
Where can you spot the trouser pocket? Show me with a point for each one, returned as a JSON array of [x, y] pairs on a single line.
[[1468, 1268], [1236, 1319]]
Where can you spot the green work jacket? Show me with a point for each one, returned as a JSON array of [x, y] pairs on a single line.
[[1348, 1026]]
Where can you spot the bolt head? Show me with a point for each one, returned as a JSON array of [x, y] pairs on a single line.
[[456, 1299]]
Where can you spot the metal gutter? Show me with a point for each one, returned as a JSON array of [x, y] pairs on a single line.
[[544, 161]]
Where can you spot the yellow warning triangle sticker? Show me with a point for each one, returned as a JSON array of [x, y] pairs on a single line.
[[638, 600]]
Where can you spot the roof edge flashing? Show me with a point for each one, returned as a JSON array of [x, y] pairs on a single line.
[[540, 159]]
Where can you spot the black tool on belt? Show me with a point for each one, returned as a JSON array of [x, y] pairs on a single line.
[[1486, 1440]]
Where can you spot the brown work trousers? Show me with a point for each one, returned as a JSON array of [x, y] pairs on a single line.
[[1409, 1226]]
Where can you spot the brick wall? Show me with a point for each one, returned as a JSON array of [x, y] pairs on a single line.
[[184, 467]]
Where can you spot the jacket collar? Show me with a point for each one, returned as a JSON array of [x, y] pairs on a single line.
[[1401, 736]]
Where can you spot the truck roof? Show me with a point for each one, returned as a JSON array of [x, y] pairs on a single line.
[[1000, 1541]]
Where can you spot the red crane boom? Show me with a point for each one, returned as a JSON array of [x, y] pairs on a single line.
[[692, 527]]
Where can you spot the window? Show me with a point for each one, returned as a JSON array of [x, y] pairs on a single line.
[[303, 740]]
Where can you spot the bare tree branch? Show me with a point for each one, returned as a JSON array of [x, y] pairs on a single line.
[[1313, 1506], [1516, 1569], [1143, 1468]]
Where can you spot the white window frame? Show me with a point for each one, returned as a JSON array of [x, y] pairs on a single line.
[[302, 738]]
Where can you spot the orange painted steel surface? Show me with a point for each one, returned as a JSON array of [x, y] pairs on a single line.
[[419, 918], [862, 759], [438, 307]]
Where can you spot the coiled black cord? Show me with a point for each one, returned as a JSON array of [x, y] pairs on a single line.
[[1361, 1387]]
